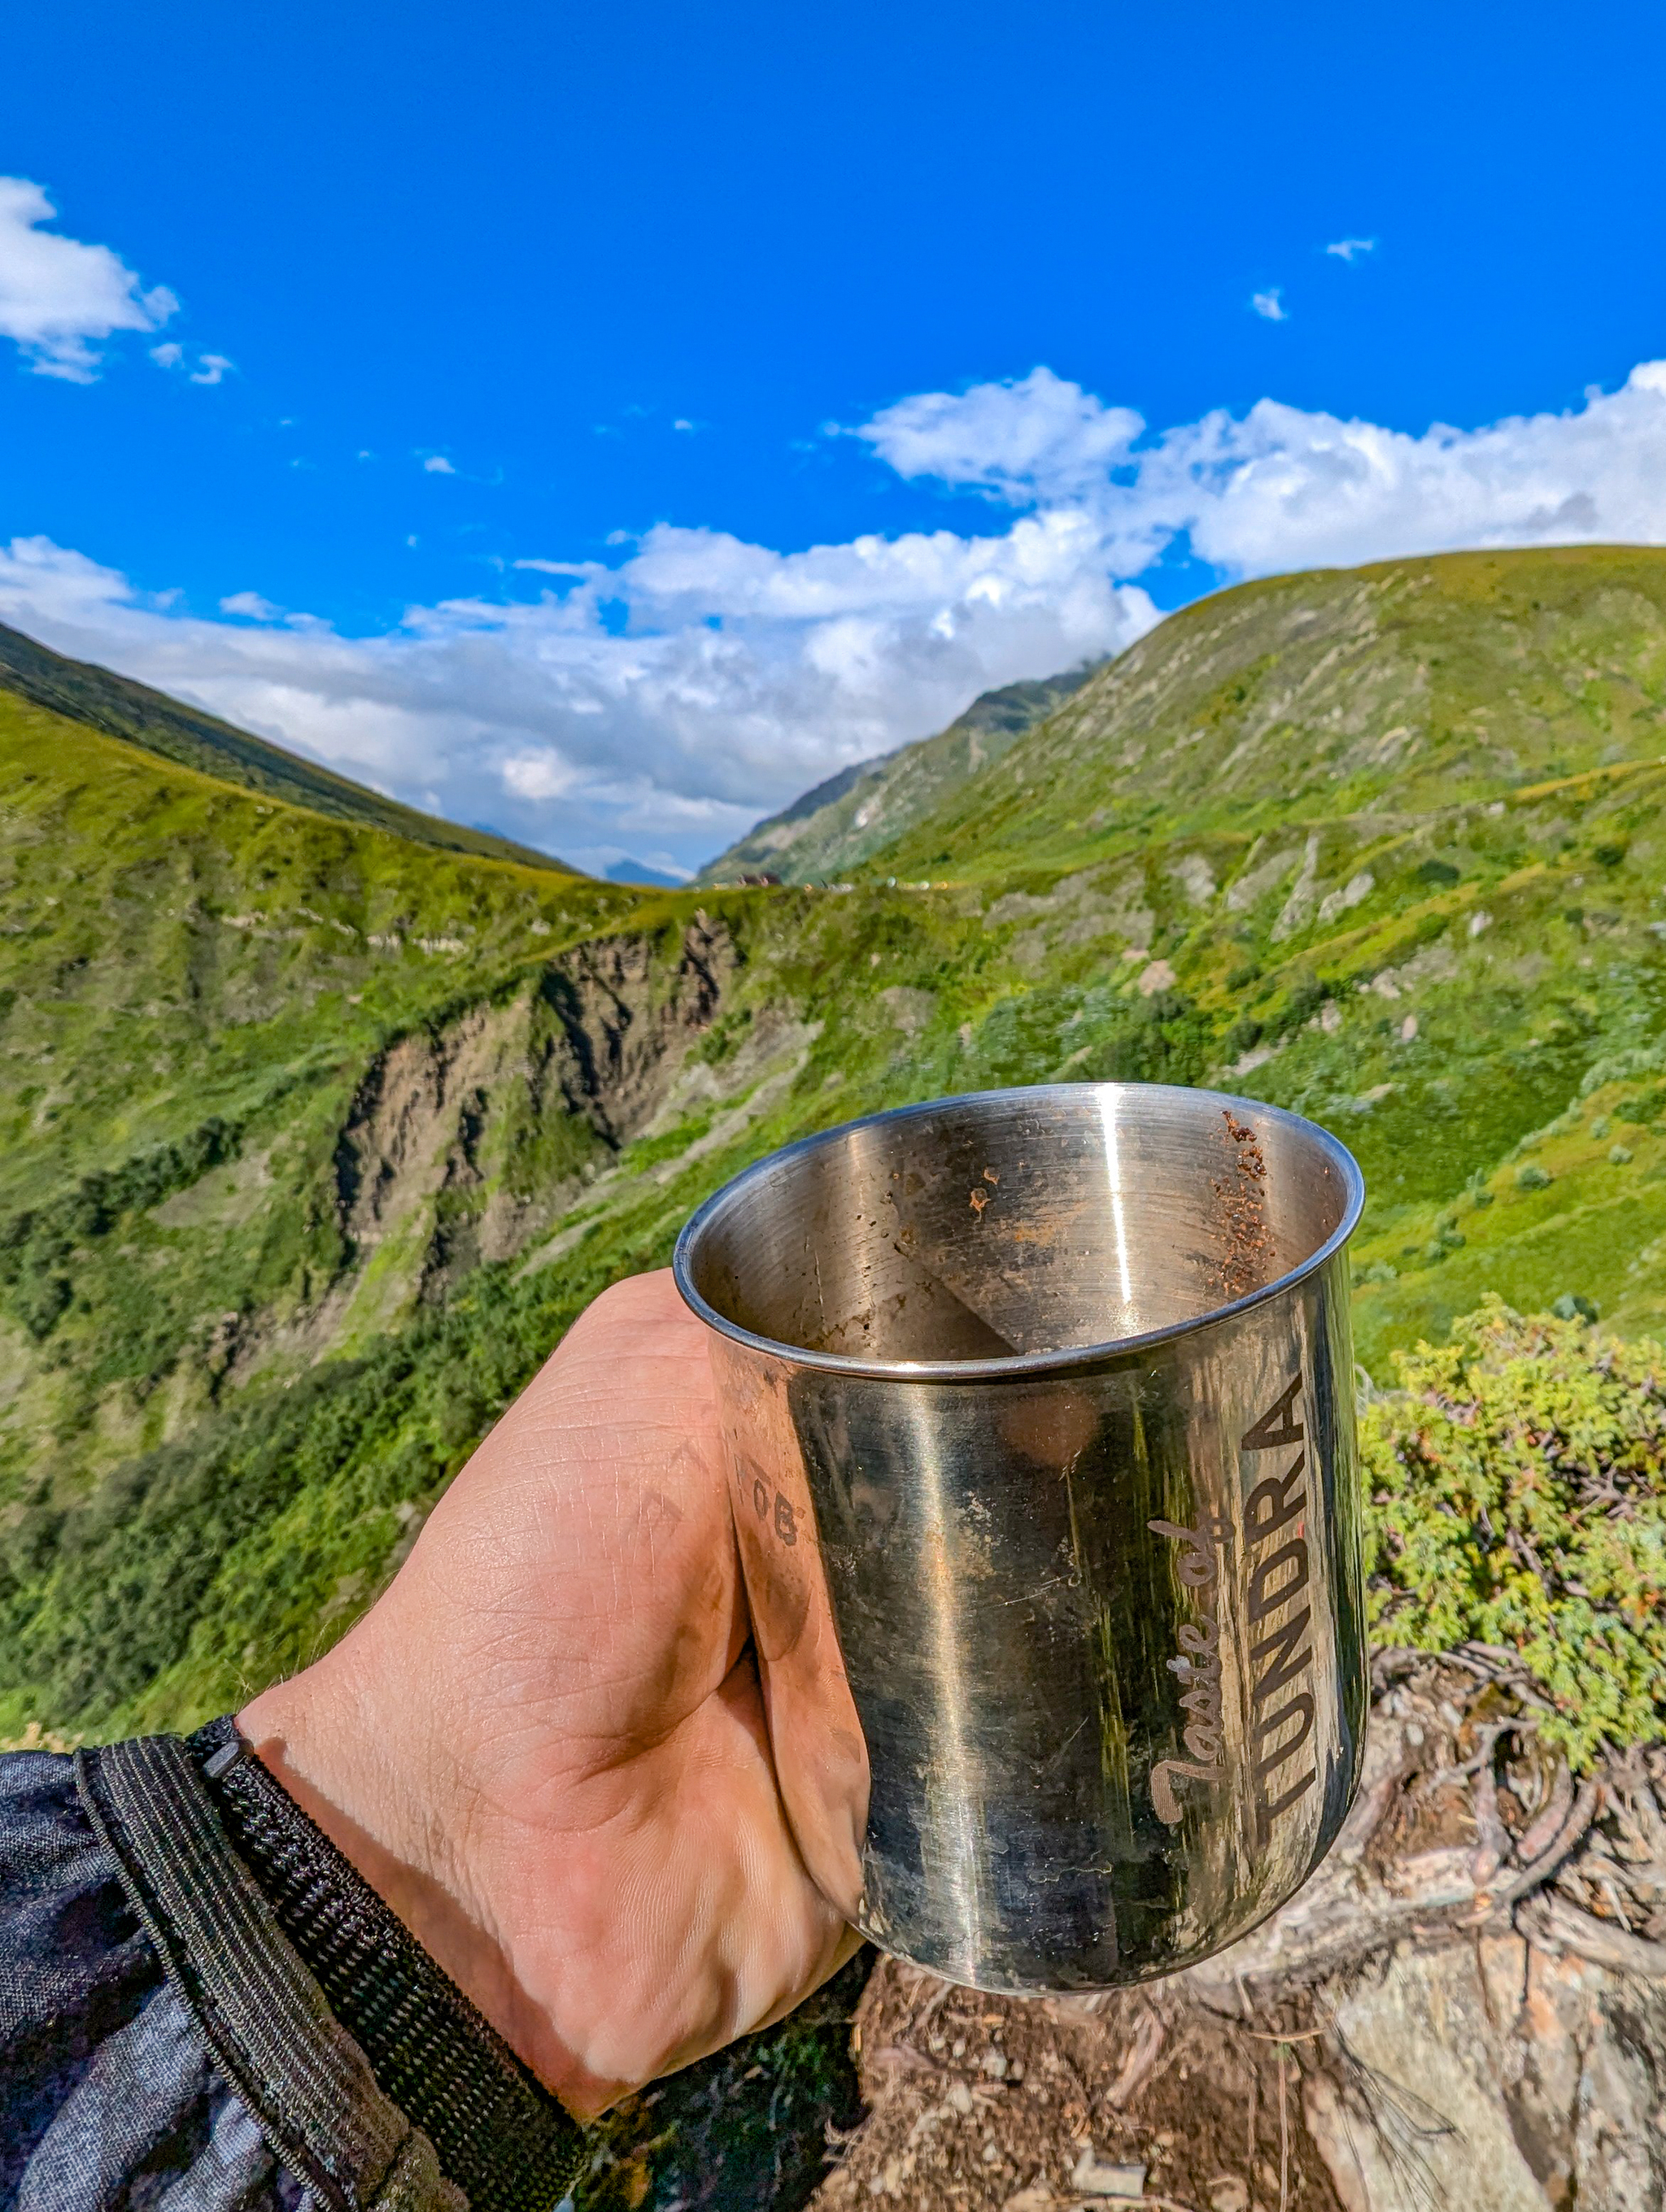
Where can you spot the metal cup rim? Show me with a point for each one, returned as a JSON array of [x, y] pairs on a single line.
[[1015, 1365]]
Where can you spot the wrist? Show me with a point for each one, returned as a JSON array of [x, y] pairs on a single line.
[[430, 2049], [371, 1784]]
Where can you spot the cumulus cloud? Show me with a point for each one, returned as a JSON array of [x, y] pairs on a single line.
[[59, 298], [1005, 438], [665, 700], [540, 718], [1269, 305], [1280, 487], [437, 465], [1283, 488], [1350, 249]]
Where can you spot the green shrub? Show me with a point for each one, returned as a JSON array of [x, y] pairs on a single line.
[[724, 1037], [1307, 998], [38, 1250], [1475, 1188], [1531, 1178], [1517, 1485]]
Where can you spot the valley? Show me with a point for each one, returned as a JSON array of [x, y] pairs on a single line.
[[317, 1137]]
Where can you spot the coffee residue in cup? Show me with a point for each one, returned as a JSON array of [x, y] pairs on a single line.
[[1248, 1260]]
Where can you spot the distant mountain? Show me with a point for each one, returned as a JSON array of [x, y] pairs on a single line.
[[836, 827], [121, 709], [638, 872]]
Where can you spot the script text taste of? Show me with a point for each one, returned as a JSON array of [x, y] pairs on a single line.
[[1278, 1570]]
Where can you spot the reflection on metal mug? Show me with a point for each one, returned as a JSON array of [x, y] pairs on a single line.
[[1040, 1413]]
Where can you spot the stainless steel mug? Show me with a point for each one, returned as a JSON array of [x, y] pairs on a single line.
[[1040, 1411]]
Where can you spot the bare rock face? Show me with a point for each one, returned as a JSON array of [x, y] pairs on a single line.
[[1465, 2008], [592, 1041], [466, 1137]]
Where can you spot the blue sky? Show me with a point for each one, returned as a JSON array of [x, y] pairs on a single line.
[[603, 422]]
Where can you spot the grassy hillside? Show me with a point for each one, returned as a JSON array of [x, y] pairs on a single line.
[[121, 709], [1402, 825], [1406, 687], [835, 828], [317, 1139]]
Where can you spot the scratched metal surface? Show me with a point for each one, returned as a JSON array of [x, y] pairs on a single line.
[[1040, 1411]]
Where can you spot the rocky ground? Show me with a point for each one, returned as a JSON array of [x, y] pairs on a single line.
[[1466, 2008]]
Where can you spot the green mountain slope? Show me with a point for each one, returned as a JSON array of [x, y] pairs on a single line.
[[121, 709], [1406, 687], [836, 827], [317, 1137]]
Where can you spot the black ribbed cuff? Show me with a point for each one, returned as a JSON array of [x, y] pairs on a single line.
[[257, 2006], [499, 2136]]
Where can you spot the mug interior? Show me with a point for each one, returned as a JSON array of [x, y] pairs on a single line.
[[1018, 1223]]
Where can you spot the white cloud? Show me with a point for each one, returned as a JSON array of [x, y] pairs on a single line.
[[1270, 305], [1286, 489], [742, 675], [1350, 249], [58, 297], [1001, 437], [210, 368], [676, 733], [538, 774], [437, 465], [251, 604]]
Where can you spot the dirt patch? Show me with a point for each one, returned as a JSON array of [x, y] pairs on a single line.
[[598, 1038], [911, 1010], [467, 1139], [982, 2101], [229, 1196]]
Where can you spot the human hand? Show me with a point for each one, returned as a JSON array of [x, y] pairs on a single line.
[[545, 1745]]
